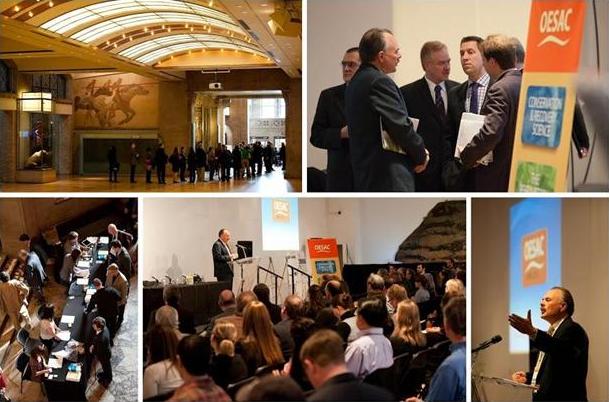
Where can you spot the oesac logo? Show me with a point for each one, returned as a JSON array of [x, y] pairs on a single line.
[[322, 248], [535, 258], [553, 23], [281, 211]]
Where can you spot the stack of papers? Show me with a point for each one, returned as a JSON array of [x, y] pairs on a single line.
[[73, 376], [83, 264], [67, 319], [104, 240], [81, 273], [56, 362], [92, 239], [64, 335], [82, 281], [471, 124]]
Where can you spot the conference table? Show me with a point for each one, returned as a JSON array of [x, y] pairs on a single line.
[[200, 298], [58, 388]]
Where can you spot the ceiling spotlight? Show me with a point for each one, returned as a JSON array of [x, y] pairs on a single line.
[[17, 9], [192, 29], [169, 29], [51, 4], [151, 33], [31, 14], [145, 29], [185, 25], [163, 26], [211, 3]]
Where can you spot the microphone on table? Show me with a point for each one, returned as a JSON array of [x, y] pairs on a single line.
[[495, 339], [156, 279], [168, 277]]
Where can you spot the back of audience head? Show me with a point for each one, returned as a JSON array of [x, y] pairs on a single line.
[[223, 338], [300, 330], [263, 293], [226, 299], [257, 327], [193, 356], [408, 323], [293, 307], [333, 288], [276, 388], [322, 352], [245, 298], [97, 283], [375, 283], [396, 294], [171, 295], [421, 280], [162, 344], [455, 323], [326, 318], [116, 244], [454, 286], [342, 303], [372, 311], [168, 316]]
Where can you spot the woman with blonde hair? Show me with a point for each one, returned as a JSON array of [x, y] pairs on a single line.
[[226, 366], [454, 286], [407, 335], [259, 346]]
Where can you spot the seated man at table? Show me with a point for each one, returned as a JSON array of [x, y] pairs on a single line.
[[115, 279], [106, 301], [100, 348]]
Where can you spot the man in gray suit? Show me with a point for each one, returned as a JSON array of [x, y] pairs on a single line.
[[223, 256], [500, 110], [372, 101]]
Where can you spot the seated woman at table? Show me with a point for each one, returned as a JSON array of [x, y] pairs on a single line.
[[38, 363], [407, 335], [161, 375], [69, 266], [48, 328]]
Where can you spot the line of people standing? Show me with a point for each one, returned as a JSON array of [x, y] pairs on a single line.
[[245, 160]]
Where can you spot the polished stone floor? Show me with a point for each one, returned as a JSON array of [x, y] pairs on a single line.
[[270, 183], [124, 387]]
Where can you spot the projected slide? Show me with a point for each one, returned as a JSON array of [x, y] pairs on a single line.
[[280, 224], [535, 254]]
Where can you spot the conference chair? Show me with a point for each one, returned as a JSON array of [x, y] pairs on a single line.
[[232, 389], [384, 378], [23, 366], [22, 336], [410, 381], [264, 370]]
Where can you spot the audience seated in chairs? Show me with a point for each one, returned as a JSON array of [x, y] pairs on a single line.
[[243, 300], [302, 328], [272, 388], [228, 305], [316, 300], [168, 316], [264, 295], [161, 375]]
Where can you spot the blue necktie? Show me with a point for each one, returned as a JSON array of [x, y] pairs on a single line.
[[439, 100], [473, 99]]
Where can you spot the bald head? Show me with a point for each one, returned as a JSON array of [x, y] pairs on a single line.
[[226, 299]]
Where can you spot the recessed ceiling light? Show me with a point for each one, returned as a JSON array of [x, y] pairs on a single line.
[[17, 9]]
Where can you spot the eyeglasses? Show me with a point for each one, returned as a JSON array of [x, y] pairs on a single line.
[[350, 64]]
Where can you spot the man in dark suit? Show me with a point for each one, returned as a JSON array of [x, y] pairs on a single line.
[[293, 308], [427, 100], [468, 96], [100, 348], [120, 256], [223, 256], [329, 130], [323, 360], [562, 364], [373, 102], [500, 109], [106, 301]]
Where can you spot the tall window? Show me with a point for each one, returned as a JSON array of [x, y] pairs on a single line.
[[271, 108], [55, 84], [5, 77]]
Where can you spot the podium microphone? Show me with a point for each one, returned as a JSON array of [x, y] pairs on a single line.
[[495, 339]]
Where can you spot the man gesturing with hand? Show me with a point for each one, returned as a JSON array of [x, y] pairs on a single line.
[[562, 364]]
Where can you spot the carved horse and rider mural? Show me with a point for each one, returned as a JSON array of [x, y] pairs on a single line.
[[101, 104]]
